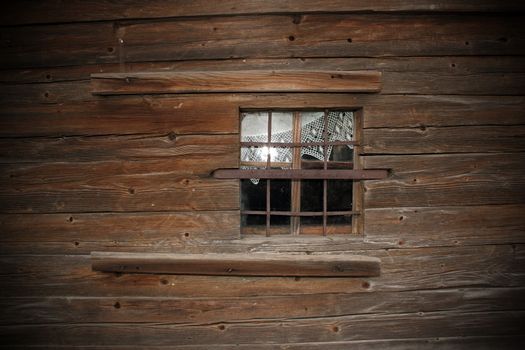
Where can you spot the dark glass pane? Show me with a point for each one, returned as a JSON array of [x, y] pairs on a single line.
[[253, 194], [339, 195], [311, 195], [280, 192], [279, 224], [253, 220], [341, 153], [339, 220]]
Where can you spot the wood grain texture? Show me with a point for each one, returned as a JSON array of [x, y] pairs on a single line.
[[28, 12], [219, 114], [445, 267], [235, 81], [358, 327], [115, 186], [441, 180], [237, 264], [214, 310], [270, 36], [470, 139]]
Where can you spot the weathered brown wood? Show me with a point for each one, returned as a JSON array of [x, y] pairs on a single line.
[[444, 267], [155, 185], [182, 310], [237, 264], [390, 326], [489, 139], [168, 147], [210, 113], [299, 174], [406, 227], [415, 74], [321, 35], [28, 12], [235, 81], [482, 342], [278, 36], [196, 232], [442, 180], [83, 233]]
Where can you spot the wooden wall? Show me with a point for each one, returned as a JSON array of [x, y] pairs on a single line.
[[80, 173]]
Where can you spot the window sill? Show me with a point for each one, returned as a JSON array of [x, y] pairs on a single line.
[[255, 264]]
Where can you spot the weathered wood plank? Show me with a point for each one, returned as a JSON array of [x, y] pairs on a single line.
[[443, 267], [195, 232], [135, 147], [321, 35], [83, 233], [28, 12], [235, 81], [277, 36], [449, 343], [179, 311], [360, 327], [444, 180], [219, 113], [237, 264], [489, 139], [407, 227], [156, 185], [56, 45], [413, 74]]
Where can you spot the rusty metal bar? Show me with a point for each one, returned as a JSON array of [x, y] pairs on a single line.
[[295, 222], [297, 144], [301, 213], [305, 164], [325, 167], [268, 161], [298, 174]]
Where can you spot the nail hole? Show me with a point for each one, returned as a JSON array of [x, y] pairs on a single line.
[[467, 43], [291, 38], [222, 327], [77, 243], [503, 40], [400, 242], [70, 219], [365, 285], [131, 190], [172, 136], [116, 305], [48, 76], [401, 218], [214, 29], [335, 329], [349, 40], [111, 49], [453, 65], [46, 94], [164, 281], [186, 234]]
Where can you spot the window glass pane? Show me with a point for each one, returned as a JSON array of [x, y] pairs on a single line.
[[253, 194], [282, 124], [254, 127], [253, 224], [280, 195], [339, 195], [279, 225], [311, 195]]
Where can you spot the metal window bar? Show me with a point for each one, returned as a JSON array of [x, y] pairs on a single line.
[[300, 213], [268, 181], [297, 144], [325, 167]]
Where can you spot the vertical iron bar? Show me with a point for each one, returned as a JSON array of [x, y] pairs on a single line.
[[295, 221], [268, 159], [325, 166]]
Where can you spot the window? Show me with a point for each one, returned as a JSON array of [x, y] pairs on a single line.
[[322, 140]]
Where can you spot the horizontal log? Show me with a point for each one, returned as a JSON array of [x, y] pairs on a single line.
[[269, 36], [430, 343], [131, 147], [361, 327], [489, 139], [321, 35], [444, 180], [195, 232], [114, 186], [438, 75], [31, 310], [236, 264], [298, 174], [437, 267], [219, 113], [235, 81], [27, 12]]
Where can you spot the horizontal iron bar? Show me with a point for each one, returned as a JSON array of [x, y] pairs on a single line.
[[297, 144], [302, 213], [298, 174]]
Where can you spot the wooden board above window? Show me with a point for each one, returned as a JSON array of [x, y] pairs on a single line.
[[235, 81]]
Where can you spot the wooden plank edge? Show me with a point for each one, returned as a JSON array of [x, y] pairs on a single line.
[[256, 264], [235, 81]]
